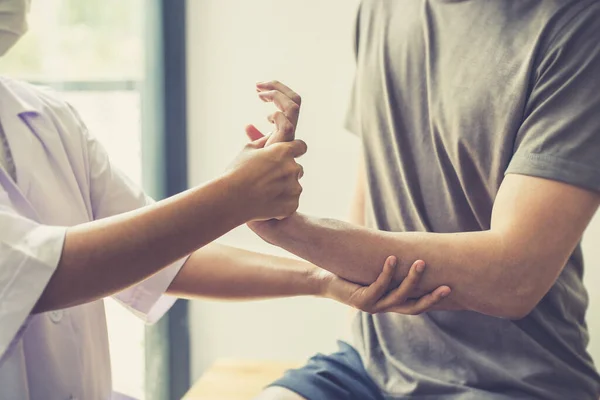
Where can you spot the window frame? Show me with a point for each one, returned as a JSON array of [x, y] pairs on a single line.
[[164, 174]]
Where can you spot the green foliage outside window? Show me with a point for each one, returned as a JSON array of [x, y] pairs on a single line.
[[97, 40]]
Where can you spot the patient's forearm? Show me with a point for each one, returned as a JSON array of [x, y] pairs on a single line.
[[472, 263]]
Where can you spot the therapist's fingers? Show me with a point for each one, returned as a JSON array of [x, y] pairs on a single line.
[[295, 148], [374, 292], [276, 85], [399, 295], [300, 171], [423, 304]]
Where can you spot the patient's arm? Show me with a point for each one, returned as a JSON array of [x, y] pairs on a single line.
[[504, 272], [221, 272]]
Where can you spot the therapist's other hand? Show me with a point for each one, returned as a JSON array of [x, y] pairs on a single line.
[[285, 118], [267, 179], [381, 296]]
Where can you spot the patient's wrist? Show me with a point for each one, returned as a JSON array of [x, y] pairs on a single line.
[[277, 232]]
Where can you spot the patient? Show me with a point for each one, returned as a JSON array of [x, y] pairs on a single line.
[[480, 128]]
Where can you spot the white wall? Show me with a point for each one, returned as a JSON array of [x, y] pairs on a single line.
[[308, 45], [232, 45], [591, 252]]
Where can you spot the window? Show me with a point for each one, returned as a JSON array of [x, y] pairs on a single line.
[[93, 53]]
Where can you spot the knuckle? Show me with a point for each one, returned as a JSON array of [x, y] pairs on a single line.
[[366, 309], [415, 311], [372, 310], [287, 127], [297, 99], [282, 149], [275, 117], [281, 158], [399, 297], [294, 108], [293, 207], [361, 305], [285, 152], [291, 169]]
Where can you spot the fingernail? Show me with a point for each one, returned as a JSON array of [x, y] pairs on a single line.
[[260, 83], [445, 293], [420, 267], [394, 261]]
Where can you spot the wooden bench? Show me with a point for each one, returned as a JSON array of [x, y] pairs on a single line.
[[237, 380]]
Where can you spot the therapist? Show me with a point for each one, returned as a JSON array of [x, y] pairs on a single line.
[[74, 230]]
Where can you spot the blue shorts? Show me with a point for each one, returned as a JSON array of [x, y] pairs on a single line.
[[339, 376]]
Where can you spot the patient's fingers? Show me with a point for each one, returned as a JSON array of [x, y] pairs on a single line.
[[283, 103], [276, 85], [285, 130], [288, 102], [423, 304]]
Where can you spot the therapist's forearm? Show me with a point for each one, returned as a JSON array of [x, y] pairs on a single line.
[[103, 257], [226, 273]]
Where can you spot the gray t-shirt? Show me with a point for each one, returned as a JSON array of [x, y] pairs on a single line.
[[450, 96]]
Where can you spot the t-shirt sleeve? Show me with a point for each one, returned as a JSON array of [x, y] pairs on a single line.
[[352, 120], [560, 136]]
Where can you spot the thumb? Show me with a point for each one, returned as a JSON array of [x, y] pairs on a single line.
[[278, 137], [253, 133], [260, 143]]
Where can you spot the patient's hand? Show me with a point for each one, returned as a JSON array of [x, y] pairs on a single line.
[[285, 118], [382, 296]]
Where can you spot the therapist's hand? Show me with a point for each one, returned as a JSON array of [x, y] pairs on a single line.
[[285, 120], [381, 296], [265, 180]]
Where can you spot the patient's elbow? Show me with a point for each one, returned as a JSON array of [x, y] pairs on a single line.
[[516, 303], [516, 311], [515, 289]]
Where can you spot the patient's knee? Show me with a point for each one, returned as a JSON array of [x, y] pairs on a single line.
[[278, 393]]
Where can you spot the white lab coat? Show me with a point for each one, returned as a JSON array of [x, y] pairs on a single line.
[[64, 178]]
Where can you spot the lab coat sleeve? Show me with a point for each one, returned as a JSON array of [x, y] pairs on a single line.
[[113, 193], [29, 255]]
